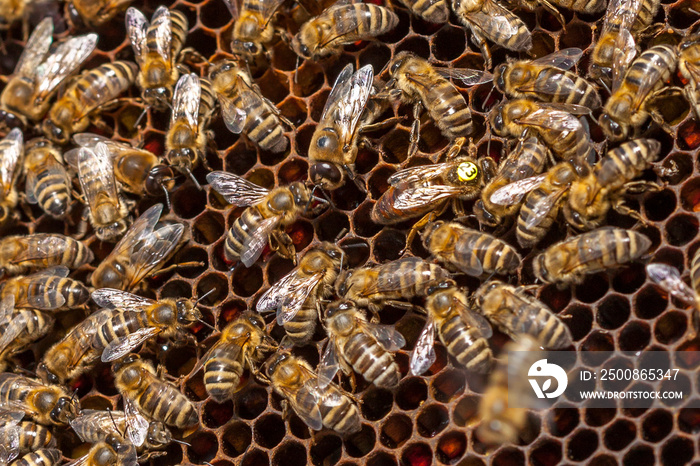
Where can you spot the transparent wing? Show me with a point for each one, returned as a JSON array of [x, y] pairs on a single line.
[[161, 32], [563, 59], [136, 424], [623, 55], [36, 49], [669, 279], [404, 278], [82, 461], [236, 190], [500, 25], [347, 100], [11, 412], [305, 403], [419, 174], [96, 175], [288, 295], [255, 244], [11, 151], [232, 6], [467, 76], [236, 116], [122, 346], [542, 209], [90, 140], [473, 319], [155, 249], [186, 100], [63, 62], [55, 271], [43, 246], [17, 325], [10, 450], [621, 14], [136, 26], [141, 229], [109, 298], [550, 119], [514, 192], [329, 365], [421, 196], [423, 355], [267, 8], [647, 81], [386, 335], [97, 423], [7, 308]]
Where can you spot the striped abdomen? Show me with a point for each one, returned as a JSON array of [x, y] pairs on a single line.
[[371, 360], [570, 145], [62, 250], [522, 313], [570, 88], [475, 251], [626, 162], [393, 278], [32, 436], [357, 21], [529, 159], [645, 16], [300, 329], [262, 123], [465, 344], [46, 292], [178, 29], [583, 6], [340, 414], [448, 109], [207, 102], [164, 402], [50, 186], [240, 232], [119, 326], [101, 85], [529, 235], [222, 374], [37, 324], [14, 388], [519, 41], [434, 11], [43, 457], [384, 212]]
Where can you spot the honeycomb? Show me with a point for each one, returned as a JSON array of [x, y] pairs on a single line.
[[425, 420]]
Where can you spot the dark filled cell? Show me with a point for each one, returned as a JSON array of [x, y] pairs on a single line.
[[376, 404], [326, 450], [203, 447], [397, 429], [561, 421], [547, 452], [269, 430], [613, 311], [447, 385], [360, 443], [465, 412], [677, 451], [250, 402], [381, 458], [582, 445], [657, 425], [639, 455], [189, 201], [448, 44], [290, 453], [432, 420], [451, 447]]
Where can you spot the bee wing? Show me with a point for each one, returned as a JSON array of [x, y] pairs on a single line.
[[235, 114], [418, 174], [136, 26], [669, 279], [288, 295], [7, 308], [255, 244], [305, 405], [348, 99], [493, 17], [647, 83], [236, 190], [268, 8], [11, 151], [386, 335], [90, 140], [55, 271], [563, 59], [141, 229], [136, 424], [155, 249], [17, 325], [63, 62], [423, 355], [411, 198], [122, 346], [82, 461], [621, 14], [186, 100], [98, 422], [550, 119], [11, 412], [467, 76], [329, 365], [35, 50], [513, 193], [473, 319], [43, 247], [233, 350], [9, 451], [542, 209], [232, 6], [109, 298], [161, 30], [622, 58], [401, 280], [96, 174]]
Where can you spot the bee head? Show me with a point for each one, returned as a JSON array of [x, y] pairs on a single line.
[[130, 358], [338, 307], [65, 410], [325, 174], [441, 286], [399, 61], [496, 120], [484, 216], [499, 79], [11, 120], [484, 289], [612, 129], [223, 66], [112, 232], [245, 48], [158, 435], [275, 361], [158, 97], [427, 233], [187, 313], [181, 159], [300, 48], [55, 132], [161, 177]]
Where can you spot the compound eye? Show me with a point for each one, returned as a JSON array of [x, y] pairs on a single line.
[[325, 171], [250, 47], [395, 67]]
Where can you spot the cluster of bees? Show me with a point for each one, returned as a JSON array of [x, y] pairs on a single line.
[[553, 171]]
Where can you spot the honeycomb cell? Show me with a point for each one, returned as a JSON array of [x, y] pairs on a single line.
[[629, 279], [465, 413], [654, 303], [388, 245], [269, 430], [546, 452], [376, 404], [349, 196], [639, 455], [189, 201], [581, 321], [395, 146], [208, 228], [295, 110], [298, 428], [689, 135], [690, 195], [432, 420], [203, 447], [192, 262], [597, 417], [677, 451], [176, 289], [397, 429], [657, 425], [447, 385], [596, 341], [375, 54], [681, 229], [215, 415], [417, 454], [577, 34], [251, 402], [255, 457], [292, 170], [356, 250], [613, 311], [508, 457], [448, 43], [659, 206], [681, 383], [620, 434], [381, 458], [593, 288], [451, 447], [360, 443], [212, 289], [362, 224], [581, 445], [562, 421], [246, 281], [689, 420], [326, 450], [603, 460], [377, 182], [635, 336], [290, 453], [331, 224]]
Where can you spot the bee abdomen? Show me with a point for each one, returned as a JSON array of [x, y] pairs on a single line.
[[529, 235], [165, 403], [481, 251], [43, 457], [648, 67], [468, 347], [584, 6], [450, 110], [570, 88], [263, 126], [34, 436], [119, 326], [365, 20], [645, 16], [385, 213], [71, 292], [626, 162], [222, 376], [105, 83], [178, 28], [52, 192], [303, 325], [207, 101], [368, 358], [343, 417], [240, 231]]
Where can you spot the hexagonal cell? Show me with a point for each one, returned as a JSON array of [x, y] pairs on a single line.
[[689, 135], [596, 417], [397, 429], [675, 168], [360, 443], [447, 385], [290, 453], [690, 195], [376, 403], [208, 228], [331, 224], [388, 244], [689, 420], [269, 430], [677, 451], [246, 281], [189, 201], [561, 421], [613, 311], [681, 229], [417, 454], [508, 456], [176, 289], [593, 288], [629, 278], [581, 321], [639, 455], [670, 327], [326, 450], [635, 336], [657, 425], [451, 447], [465, 413], [581, 445], [547, 451], [432, 420], [215, 415], [255, 457], [381, 458], [448, 44], [620, 434], [681, 383], [236, 439], [251, 402], [203, 447]]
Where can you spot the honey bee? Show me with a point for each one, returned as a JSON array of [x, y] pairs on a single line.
[[47, 290], [547, 79], [94, 13], [19, 437], [556, 125], [27, 95], [245, 110], [11, 152], [47, 181], [432, 11], [107, 211], [486, 19], [186, 139], [93, 426], [138, 320], [112, 450], [21, 254], [463, 332], [375, 287], [330, 406], [417, 82], [296, 297], [19, 328], [469, 251], [46, 404], [528, 159], [268, 213], [610, 179], [339, 25], [427, 190], [515, 312], [138, 171], [140, 253], [334, 144], [631, 101], [86, 96], [253, 29], [159, 400], [355, 343], [156, 47], [581, 6], [41, 457], [241, 344], [501, 423], [569, 261], [689, 66], [75, 353], [615, 48]]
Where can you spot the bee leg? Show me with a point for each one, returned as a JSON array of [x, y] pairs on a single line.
[[369, 128], [427, 218], [415, 130], [641, 186], [282, 243], [554, 12], [480, 42], [191, 56], [624, 210]]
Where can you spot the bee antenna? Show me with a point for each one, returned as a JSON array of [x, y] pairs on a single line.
[[340, 234], [296, 71], [196, 183], [167, 195], [488, 96], [204, 296], [206, 324], [181, 442], [138, 120], [109, 411]]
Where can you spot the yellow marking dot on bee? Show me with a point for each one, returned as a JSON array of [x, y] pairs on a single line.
[[467, 171]]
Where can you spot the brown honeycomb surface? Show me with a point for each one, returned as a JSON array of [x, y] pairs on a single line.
[[425, 420]]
